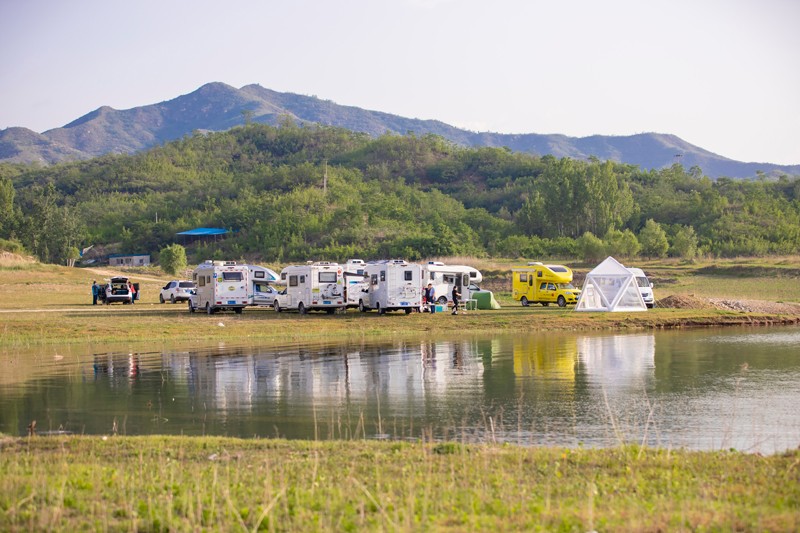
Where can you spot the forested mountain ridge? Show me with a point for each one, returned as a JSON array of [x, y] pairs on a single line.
[[297, 192], [219, 107]]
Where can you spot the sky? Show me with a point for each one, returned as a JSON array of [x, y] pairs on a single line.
[[720, 74]]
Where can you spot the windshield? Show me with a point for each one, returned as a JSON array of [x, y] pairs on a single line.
[[566, 286], [642, 281]]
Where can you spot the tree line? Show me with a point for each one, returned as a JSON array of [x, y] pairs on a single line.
[[294, 192]]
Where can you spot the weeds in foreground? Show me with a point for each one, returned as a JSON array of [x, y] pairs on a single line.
[[180, 483]]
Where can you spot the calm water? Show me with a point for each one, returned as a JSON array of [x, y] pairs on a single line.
[[707, 389]]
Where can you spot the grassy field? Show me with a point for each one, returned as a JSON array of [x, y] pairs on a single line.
[[193, 484], [47, 304], [69, 483]]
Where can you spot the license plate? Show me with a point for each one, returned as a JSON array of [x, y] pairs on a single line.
[[326, 302], [231, 302]]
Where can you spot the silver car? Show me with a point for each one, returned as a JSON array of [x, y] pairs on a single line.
[[176, 291]]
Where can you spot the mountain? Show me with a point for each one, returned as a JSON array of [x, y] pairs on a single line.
[[218, 107]]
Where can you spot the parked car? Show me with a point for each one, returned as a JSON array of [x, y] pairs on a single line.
[[118, 289], [176, 291], [264, 294]]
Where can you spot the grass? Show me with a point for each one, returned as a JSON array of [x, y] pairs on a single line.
[[157, 483], [191, 484], [48, 304]]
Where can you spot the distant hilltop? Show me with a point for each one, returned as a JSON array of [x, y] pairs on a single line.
[[219, 107]]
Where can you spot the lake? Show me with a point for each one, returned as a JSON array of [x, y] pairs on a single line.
[[705, 389]]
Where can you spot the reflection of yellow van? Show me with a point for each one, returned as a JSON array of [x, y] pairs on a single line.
[[543, 284]]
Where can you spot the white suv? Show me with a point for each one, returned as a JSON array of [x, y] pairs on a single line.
[[176, 291]]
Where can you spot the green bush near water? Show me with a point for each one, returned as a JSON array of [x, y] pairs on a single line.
[[69, 483]]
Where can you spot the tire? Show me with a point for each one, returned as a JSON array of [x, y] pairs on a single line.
[[238, 310], [209, 309], [379, 309], [361, 307], [277, 306], [562, 302], [408, 311], [161, 298], [191, 307], [442, 300], [172, 299], [545, 304], [524, 301], [301, 308], [330, 310]]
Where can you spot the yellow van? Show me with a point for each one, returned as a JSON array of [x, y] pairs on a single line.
[[542, 284]]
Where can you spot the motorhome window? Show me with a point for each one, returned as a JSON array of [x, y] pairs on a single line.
[[302, 278], [374, 279], [473, 274], [231, 276], [202, 281], [523, 277], [208, 280], [558, 269], [258, 274], [383, 275], [539, 273], [293, 281], [408, 275], [449, 279], [433, 276], [283, 276], [543, 286], [327, 277], [464, 280]]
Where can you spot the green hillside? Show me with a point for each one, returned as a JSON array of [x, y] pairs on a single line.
[[292, 193]]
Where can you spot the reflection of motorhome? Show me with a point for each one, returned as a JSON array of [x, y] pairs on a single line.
[[354, 282], [316, 286], [543, 284], [392, 286], [445, 277], [645, 286], [220, 285]]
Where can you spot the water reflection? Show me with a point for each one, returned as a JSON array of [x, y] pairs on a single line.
[[705, 390]]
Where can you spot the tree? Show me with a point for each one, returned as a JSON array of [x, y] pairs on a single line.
[[590, 247], [621, 243], [172, 258], [684, 243], [653, 239]]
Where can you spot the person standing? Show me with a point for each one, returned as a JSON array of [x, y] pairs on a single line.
[[431, 296], [95, 292], [456, 295]]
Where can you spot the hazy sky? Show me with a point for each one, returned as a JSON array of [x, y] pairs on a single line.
[[720, 74]]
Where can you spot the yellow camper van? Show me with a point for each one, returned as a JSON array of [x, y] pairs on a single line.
[[542, 284]]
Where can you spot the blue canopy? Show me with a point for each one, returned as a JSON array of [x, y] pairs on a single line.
[[202, 232]]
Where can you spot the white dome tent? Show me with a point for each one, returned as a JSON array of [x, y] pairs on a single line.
[[610, 287]]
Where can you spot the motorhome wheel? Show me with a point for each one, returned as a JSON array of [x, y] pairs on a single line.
[[562, 302], [361, 307], [209, 309], [301, 308], [191, 307], [442, 300], [277, 307], [524, 301]]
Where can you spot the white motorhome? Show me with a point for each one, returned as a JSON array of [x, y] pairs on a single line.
[[445, 277], [219, 286], [645, 286], [314, 286], [261, 292], [392, 286], [354, 281]]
